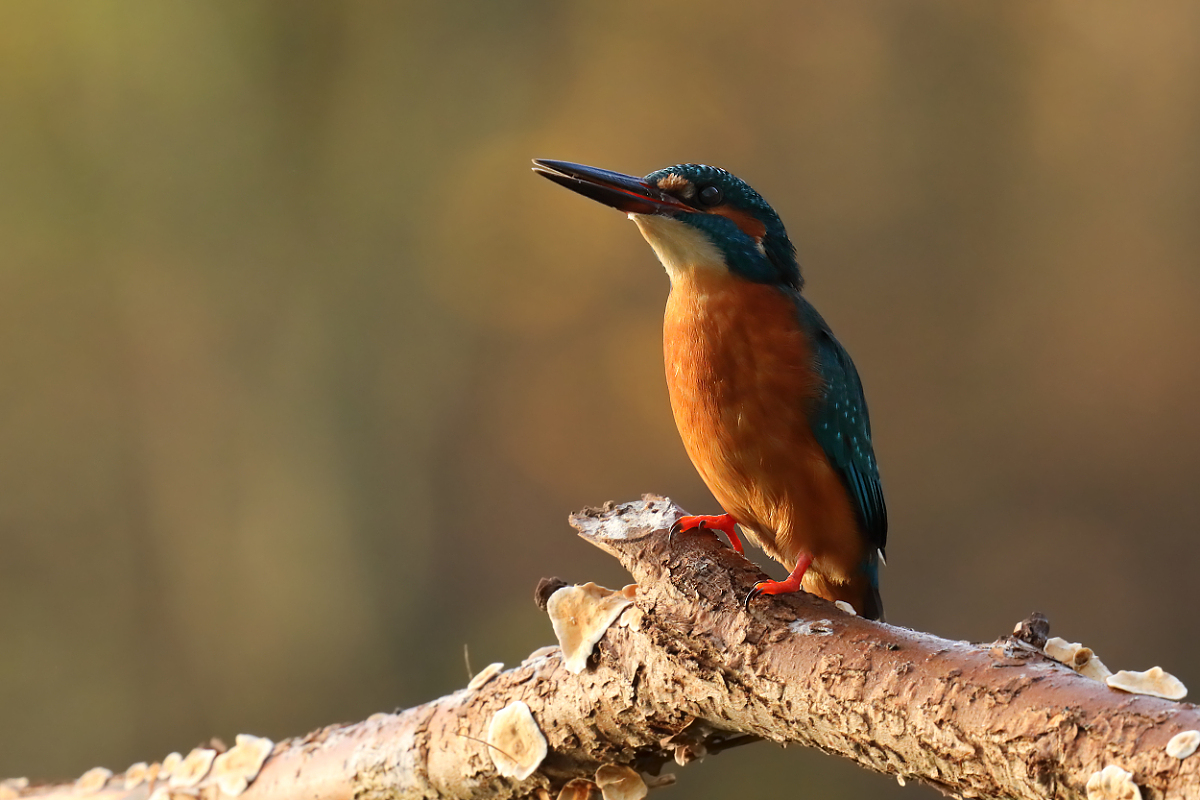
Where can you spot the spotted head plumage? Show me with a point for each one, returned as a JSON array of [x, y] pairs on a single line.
[[735, 218]]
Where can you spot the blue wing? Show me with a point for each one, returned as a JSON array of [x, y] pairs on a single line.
[[842, 427]]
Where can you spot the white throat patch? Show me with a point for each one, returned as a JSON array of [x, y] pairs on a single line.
[[681, 248]]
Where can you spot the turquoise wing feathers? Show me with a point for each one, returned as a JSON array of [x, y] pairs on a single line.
[[841, 425]]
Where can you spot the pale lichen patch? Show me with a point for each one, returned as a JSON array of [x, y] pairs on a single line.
[[93, 780], [1112, 783], [618, 782], [160, 793], [484, 675], [808, 627], [1154, 682], [637, 520], [236, 768], [193, 768], [1183, 744], [580, 615], [517, 745]]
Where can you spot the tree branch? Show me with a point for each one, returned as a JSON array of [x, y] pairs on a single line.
[[686, 670]]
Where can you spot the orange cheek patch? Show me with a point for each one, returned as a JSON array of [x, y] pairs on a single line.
[[748, 224]]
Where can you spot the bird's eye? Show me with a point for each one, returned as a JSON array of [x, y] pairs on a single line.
[[710, 195]]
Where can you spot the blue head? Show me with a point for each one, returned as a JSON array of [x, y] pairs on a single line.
[[694, 216]]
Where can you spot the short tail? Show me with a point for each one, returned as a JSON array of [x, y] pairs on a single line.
[[861, 591], [872, 603]]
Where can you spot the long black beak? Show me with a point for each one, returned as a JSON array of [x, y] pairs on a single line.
[[625, 192]]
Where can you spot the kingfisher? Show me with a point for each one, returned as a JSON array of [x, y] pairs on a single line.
[[768, 403]]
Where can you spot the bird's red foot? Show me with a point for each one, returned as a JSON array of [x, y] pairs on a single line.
[[723, 522], [792, 584]]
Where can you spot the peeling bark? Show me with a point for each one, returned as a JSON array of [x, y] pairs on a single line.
[[687, 671]]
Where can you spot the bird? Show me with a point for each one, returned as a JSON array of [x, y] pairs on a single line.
[[768, 403]]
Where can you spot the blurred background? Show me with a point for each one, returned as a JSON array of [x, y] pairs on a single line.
[[302, 369]]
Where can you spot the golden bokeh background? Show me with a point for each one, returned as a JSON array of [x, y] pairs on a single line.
[[302, 369]]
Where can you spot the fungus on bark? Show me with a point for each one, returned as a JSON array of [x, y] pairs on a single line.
[[579, 789], [1112, 783], [1077, 657], [192, 769], [1153, 681], [12, 787], [169, 765], [580, 615], [234, 769], [687, 753], [136, 775], [485, 675], [93, 780], [1183, 744], [618, 782], [517, 745]]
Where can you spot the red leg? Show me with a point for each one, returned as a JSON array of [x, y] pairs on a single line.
[[792, 584], [724, 523]]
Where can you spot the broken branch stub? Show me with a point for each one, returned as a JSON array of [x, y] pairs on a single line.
[[972, 720]]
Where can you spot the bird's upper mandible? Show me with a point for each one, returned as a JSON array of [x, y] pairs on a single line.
[[685, 208]]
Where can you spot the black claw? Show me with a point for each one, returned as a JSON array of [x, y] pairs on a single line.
[[750, 595], [677, 527]]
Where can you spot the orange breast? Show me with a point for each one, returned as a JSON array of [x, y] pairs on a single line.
[[742, 378]]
